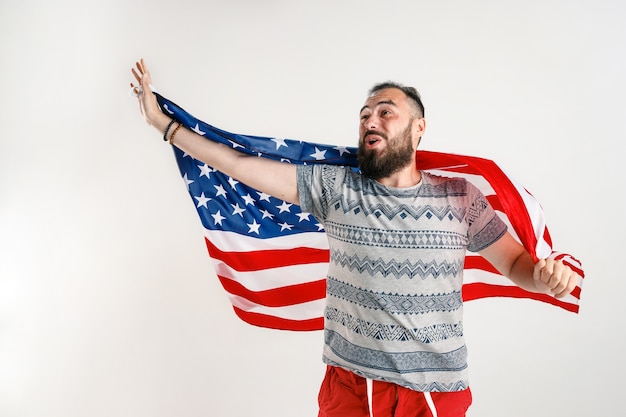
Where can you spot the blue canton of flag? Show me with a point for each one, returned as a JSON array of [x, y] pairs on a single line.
[[236, 207]]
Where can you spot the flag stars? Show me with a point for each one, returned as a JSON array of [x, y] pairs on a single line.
[[233, 182], [237, 210], [220, 190], [198, 131], [248, 199], [342, 150], [254, 227], [285, 226], [284, 207], [318, 154], [217, 218], [303, 216], [202, 200], [263, 196], [205, 170], [279, 143], [236, 145], [320, 227], [187, 181], [266, 214]]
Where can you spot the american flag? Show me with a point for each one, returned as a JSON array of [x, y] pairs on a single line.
[[272, 259]]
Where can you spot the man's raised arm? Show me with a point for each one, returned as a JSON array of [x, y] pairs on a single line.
[[272, 177]]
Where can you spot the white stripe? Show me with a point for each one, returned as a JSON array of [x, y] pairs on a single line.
[[471, 276], [231, 241], [431, 404], [537, 218], [370, 395], [304, 311], [267, 279]]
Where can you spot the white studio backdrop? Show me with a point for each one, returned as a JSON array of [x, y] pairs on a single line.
[[108, 303]]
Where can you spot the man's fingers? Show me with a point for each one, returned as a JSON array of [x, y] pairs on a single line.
[[569, 283], [137, 76], [551, 275], [537, 273], [556, 277]]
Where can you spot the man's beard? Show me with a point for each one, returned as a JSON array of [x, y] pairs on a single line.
[[397, 154]]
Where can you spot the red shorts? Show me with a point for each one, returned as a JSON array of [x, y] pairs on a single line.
[[345, 394]]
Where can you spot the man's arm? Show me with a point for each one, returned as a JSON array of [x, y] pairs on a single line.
[[547, 276], [272, 177]]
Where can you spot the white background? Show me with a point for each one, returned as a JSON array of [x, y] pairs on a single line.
[[108, 303]]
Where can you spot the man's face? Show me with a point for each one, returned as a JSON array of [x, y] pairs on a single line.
[[386, 140]]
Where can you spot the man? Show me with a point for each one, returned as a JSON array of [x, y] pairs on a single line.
[[393, 328]]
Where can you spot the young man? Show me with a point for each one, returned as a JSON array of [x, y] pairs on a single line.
[[393, 327]]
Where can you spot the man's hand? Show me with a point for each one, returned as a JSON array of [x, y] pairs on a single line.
[[554, 277], [148, 105]]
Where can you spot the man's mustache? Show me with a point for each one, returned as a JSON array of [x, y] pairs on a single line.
[[375, 132]]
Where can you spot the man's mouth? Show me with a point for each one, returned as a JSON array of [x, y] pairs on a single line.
[[372, 139]]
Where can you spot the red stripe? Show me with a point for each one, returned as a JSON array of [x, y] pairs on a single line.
[[278, 297], [475, 291], [495, 202], [265, 259], [272, 322], [576, 292], [478, 262], [429, 160], [547, 237]]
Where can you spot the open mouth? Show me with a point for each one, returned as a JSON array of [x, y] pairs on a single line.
[[371, 141], [373, 138]]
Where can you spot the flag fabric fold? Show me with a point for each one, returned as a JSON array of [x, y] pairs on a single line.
[[271, 258]]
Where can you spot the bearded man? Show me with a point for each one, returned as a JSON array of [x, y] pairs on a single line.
[[393, 322]]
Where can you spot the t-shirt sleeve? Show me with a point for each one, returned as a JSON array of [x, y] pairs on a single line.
[[317, 185], [304, 182], [485, 226]]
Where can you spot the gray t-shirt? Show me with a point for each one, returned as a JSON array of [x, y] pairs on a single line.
[[394, 309]]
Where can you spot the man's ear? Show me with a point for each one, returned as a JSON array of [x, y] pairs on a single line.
[[419, 127]]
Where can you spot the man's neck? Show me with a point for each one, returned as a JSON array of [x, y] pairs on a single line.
[[408, 176]]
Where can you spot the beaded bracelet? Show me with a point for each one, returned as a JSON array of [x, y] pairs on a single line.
[[174, 133], [167, 129]]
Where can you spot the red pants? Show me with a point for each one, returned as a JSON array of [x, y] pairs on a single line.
[[344, 394]]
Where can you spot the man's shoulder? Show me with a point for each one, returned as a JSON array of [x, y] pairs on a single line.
[[438, 179], [326, 174]]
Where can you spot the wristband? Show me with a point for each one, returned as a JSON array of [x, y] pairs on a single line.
[[174, 133], [167, 129]]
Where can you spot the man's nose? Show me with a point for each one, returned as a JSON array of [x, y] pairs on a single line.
[[371, 123]]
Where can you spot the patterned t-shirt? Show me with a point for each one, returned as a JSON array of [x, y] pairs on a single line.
[[394, 309]]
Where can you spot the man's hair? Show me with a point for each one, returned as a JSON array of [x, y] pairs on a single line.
[[410, 92]]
